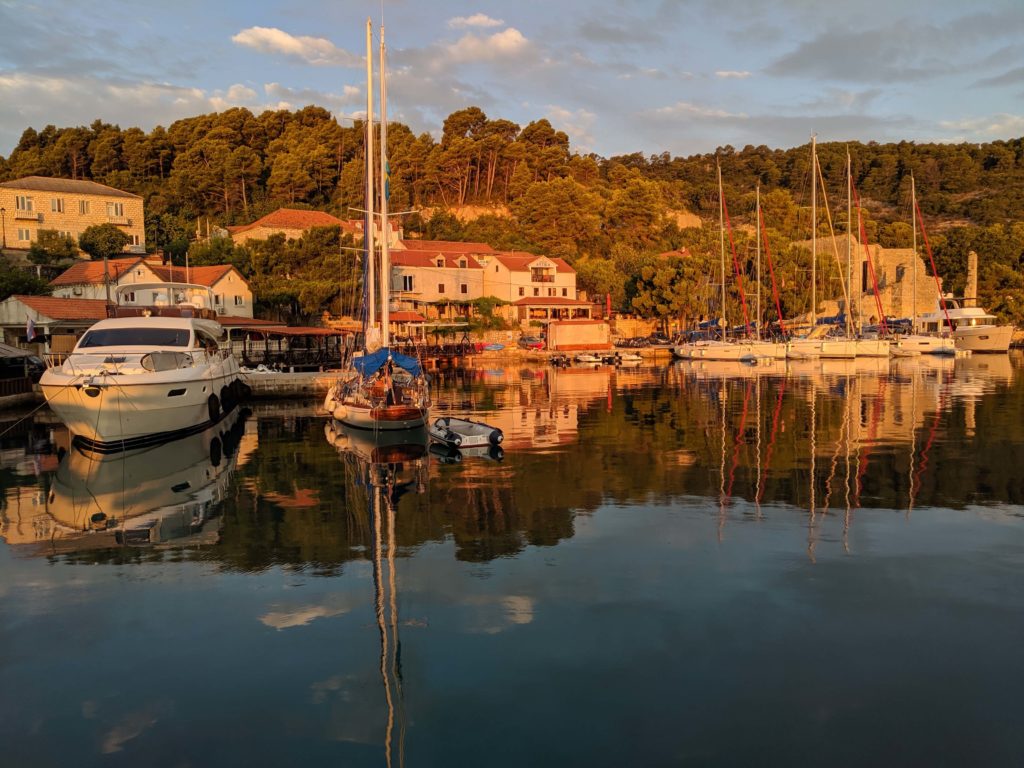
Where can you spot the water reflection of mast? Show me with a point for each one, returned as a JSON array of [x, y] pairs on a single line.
[[811, 521], [381, 483], [771, 437], [722, 397]]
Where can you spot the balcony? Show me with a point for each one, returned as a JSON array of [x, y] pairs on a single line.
[[542, 278], [135, 249], [27, 215], [122, 221]]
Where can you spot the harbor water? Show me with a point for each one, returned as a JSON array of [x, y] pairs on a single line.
[[813, 562]]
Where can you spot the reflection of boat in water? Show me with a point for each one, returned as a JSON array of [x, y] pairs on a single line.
[[149, 373], [145, 496], [736, 369], [448, 454], [387, 446]]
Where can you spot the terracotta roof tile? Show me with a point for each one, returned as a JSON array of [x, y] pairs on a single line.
[[66, 309], [445, 246], [91, 272], [405, 316], [66, 186], [207, 276], [292, 218], [429, 259]]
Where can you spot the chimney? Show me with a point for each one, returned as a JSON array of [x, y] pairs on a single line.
[[971, 289]]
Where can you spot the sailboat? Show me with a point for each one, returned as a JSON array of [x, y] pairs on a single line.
[[747, 350], [916, 343], [811, 344], [385, 390]]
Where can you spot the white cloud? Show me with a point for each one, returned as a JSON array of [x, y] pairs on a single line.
[[577, 124], [509, 42], [317, 51], [729, 74], [239, 92], [686, 109], [350, 95], [990, 127], [476, 20]]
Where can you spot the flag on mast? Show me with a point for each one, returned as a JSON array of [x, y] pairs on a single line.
[[30, 329]]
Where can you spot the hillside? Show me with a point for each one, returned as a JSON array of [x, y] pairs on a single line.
[[521, 187]]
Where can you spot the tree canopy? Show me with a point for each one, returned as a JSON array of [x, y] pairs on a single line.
[[539, 196]]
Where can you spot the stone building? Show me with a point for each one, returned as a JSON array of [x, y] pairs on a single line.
[[293, 223], [69, 206], [896, 270]]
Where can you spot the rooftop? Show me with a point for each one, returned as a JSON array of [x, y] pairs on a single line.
[[292, 218], [91, 272], [66, 309], [66, 186], [444, 246]]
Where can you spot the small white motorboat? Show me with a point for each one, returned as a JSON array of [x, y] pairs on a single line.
[[588, 358], [464, 433]]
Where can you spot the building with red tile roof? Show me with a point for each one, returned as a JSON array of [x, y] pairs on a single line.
[[436, 277], [86, 280], [50, 316], [293, 223]]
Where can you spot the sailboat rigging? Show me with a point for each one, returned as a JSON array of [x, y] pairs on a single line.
[[385, 389]]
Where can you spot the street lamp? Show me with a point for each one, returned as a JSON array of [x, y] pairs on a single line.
[[3, 227]]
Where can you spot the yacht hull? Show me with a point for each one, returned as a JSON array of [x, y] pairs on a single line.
[[385, 417], [917, 344], [983, 338], [110, 410]]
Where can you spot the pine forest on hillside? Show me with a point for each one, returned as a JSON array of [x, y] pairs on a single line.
[[609, 217]]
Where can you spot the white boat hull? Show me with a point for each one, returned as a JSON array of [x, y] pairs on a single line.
[[730, 350], [918, 344], [983, 338], [113, 409], [387, 417], [871, 347]]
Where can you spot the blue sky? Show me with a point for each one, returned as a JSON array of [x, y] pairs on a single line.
[[682, 76]]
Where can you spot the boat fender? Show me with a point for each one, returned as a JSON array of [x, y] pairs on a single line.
[[213, 406], [215, 452], [496, 437], [454, 438]]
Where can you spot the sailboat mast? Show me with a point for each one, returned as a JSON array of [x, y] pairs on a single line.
[[757, 241], [814, 233], [913, 264], [385, 228], [371, 282], [849, 246], [721, 235]]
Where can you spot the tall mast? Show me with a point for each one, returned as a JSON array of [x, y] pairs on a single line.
[[913, 264], [814, 233], [721, 235], [385, 228], [371, 283], [757, 240], [849, 246]]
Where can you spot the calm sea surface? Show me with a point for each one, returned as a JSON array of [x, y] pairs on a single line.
[[686, 564]]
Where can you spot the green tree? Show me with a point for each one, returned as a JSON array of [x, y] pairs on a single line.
[[561, 216], [101, 241], [20, 282], [51, 247]]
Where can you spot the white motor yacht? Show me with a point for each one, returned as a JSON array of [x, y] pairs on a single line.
[[973, 329], [148, 373]]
